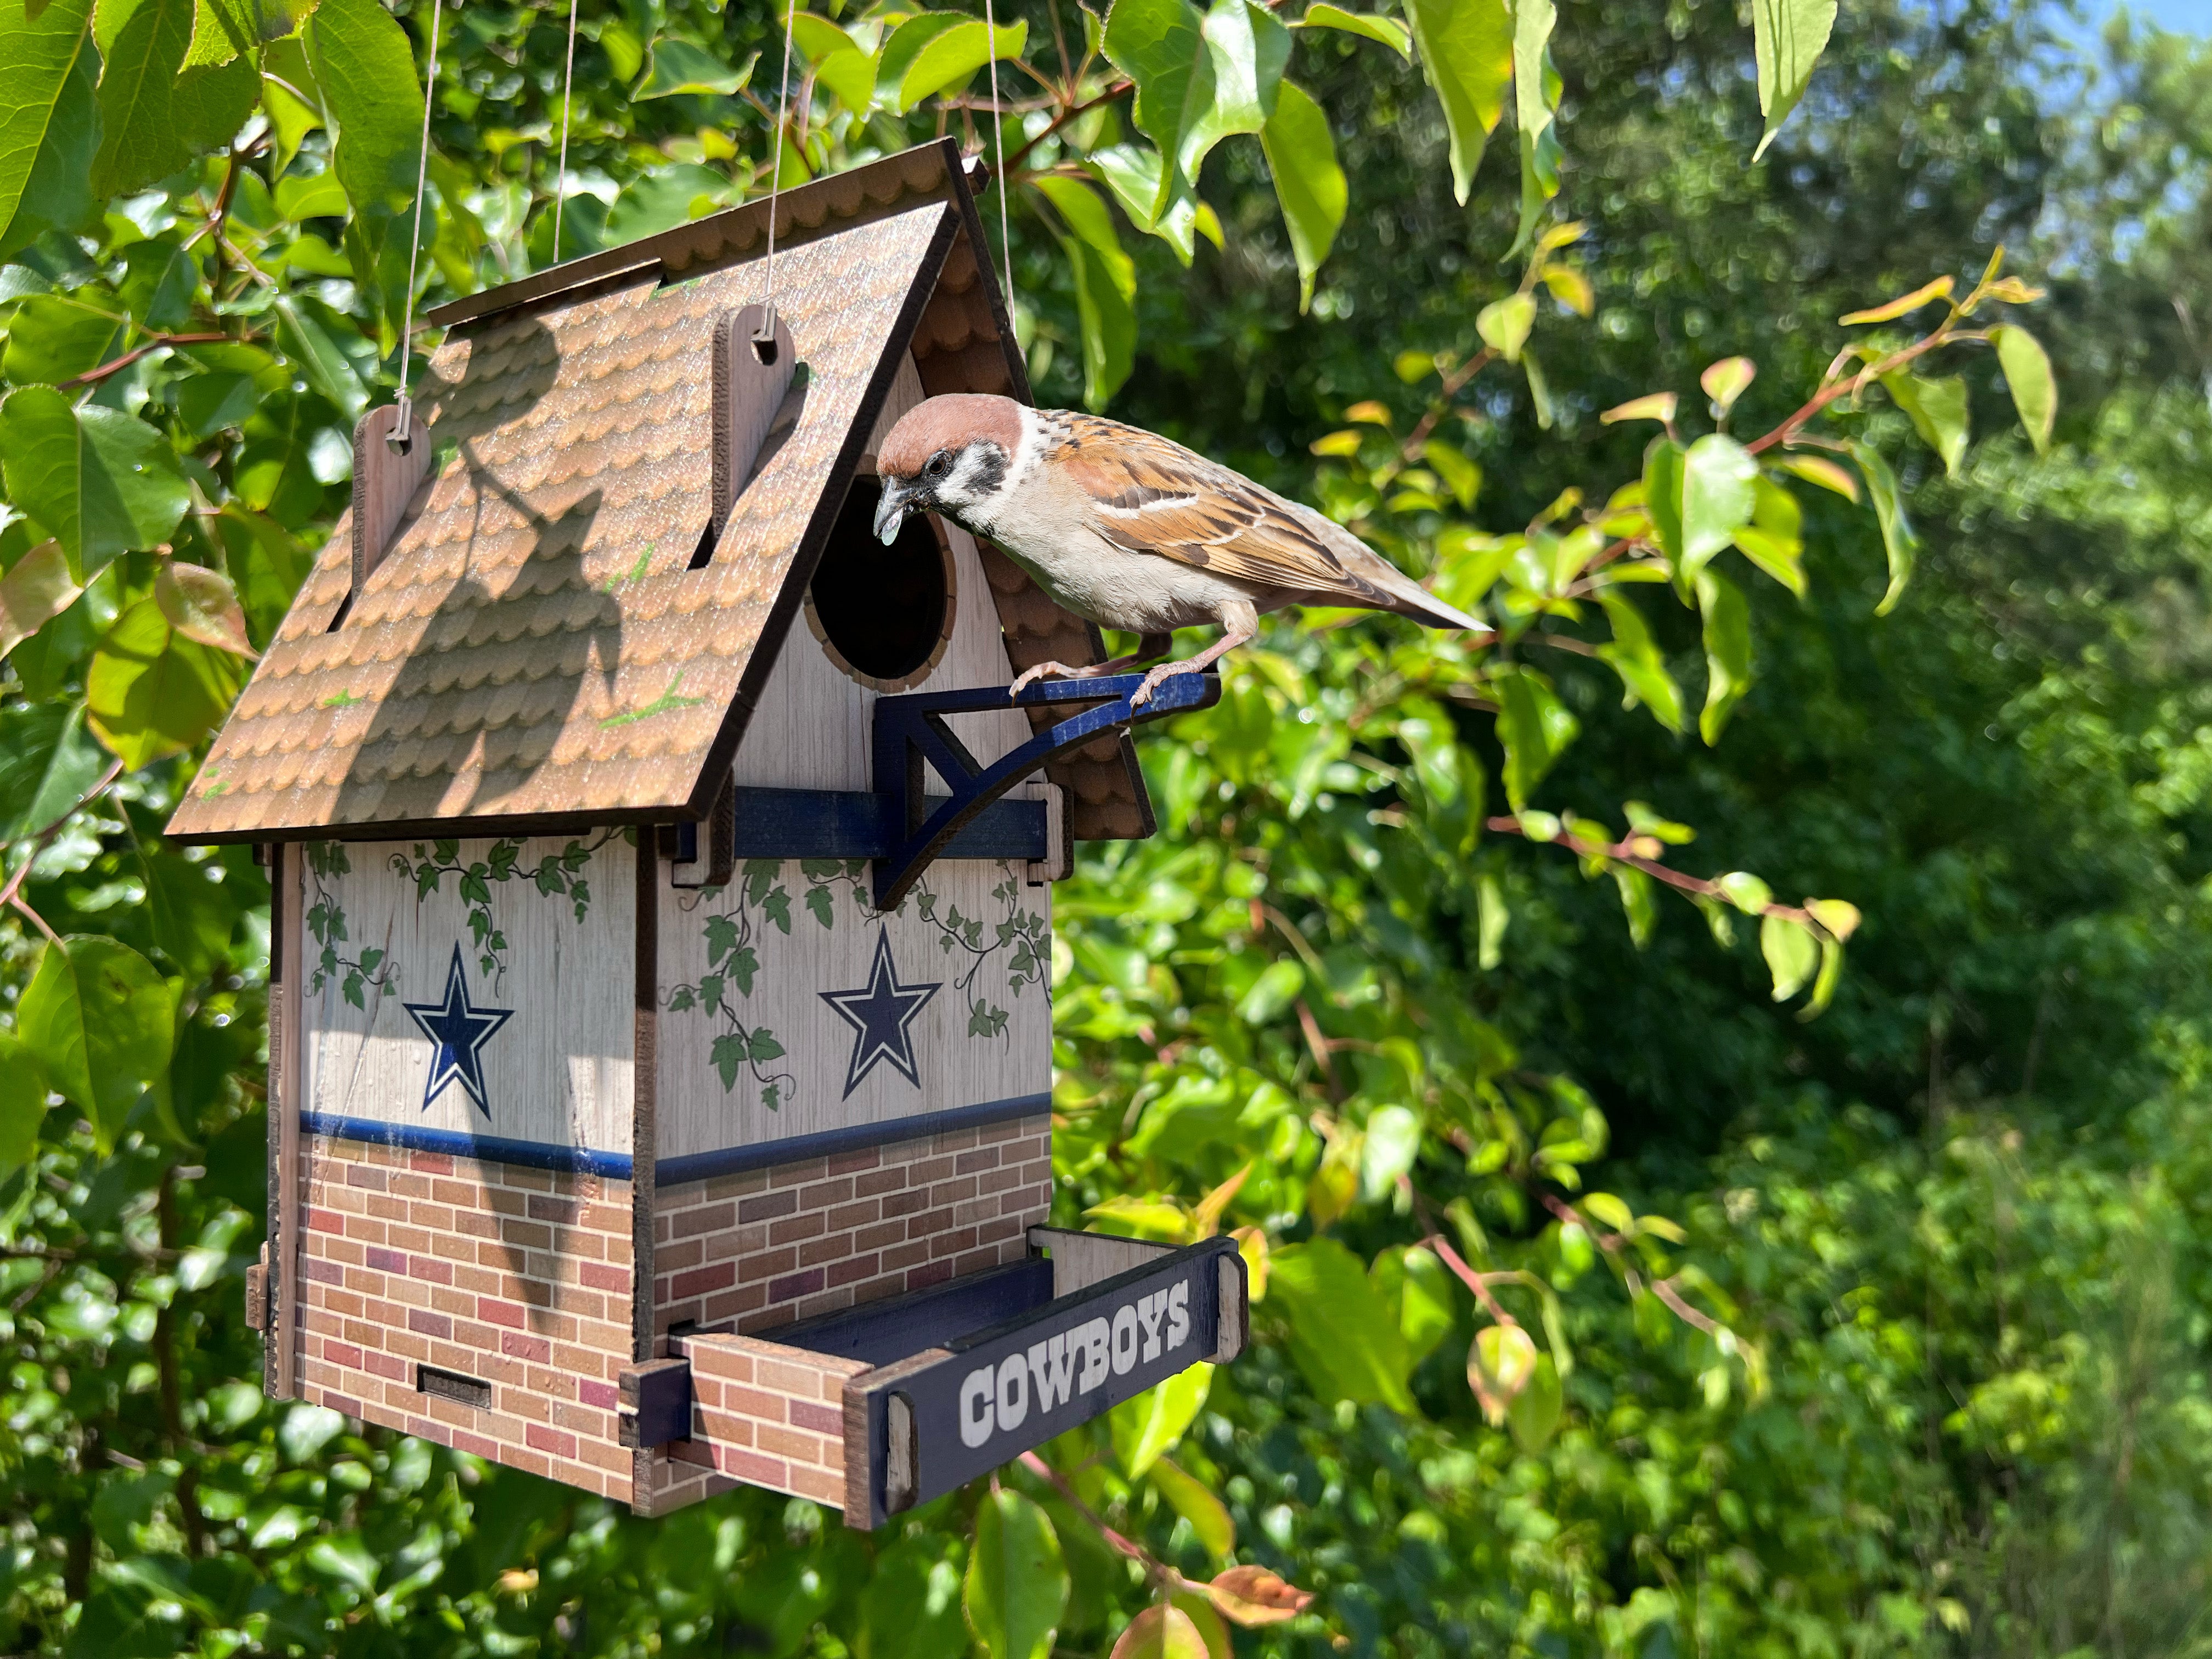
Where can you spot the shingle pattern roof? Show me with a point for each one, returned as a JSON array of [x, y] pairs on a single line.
[[536, 650]]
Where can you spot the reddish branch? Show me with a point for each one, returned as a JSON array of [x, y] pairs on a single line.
[[1624, 852], [115, 365], [12, 894]]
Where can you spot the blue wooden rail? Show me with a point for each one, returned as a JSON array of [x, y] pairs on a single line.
[[911, 736]]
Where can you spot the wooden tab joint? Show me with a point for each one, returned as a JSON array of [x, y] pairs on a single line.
[[655, 1403]]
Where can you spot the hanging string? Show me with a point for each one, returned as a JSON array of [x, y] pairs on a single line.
[[403, 430], [775, 174], [998, 136], [561, 175]]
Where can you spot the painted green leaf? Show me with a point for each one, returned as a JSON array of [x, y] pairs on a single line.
[[1147, 1427], [1899, 541], [949, 59], [1340, 1332], [49, 119], [53, 338], [1465, 49], [102, 1021], [1015, 1590], [678, 66], [1787, 36], [150, 692], [1719, 480], [1369, 25], [1728, 650], [1938, 409], [2027, 373], [48, 760], [1310, 184], [103, 482]]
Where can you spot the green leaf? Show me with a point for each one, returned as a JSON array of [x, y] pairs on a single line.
[[1728, 650], [1719, 490], [678, 66], [1414, 1282], [1938, 409], [1017, 1583], [1465, 49], [153, 118], [221, 29], [1774, 539], [1191, 1499], [949, 59], [202, 605], [1342, 1334], [34, 593], [1745, 891], [1534, 726], [1160, 45], [1791, 954], [102, 1021], [55, 337], [1246, 51], [2027, 373], [1162, 1631], [1310, 184], [150, 692], [1387, 1149], [1132, 173], [364, 67], [906, 42], [851, 75], [1461, 476], [1534, 1414], [1146, 1427], [103, 482], [1536, 90], [23, 1109], [1504, 323], [1635, 656], [49, 119], [1663, 494], [48, 762], [1105, 287], [1899, 540], [1372, 25], [1786, 38], [665, 199]]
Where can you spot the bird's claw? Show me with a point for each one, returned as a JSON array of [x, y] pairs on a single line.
[[1152, 681], [1028, 676]]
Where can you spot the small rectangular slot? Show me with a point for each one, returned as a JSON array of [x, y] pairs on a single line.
[[451, 1385]]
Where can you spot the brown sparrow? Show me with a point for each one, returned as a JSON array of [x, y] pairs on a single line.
[[1130, 530]]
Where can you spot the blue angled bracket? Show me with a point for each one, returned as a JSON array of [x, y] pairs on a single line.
[[910, 734]]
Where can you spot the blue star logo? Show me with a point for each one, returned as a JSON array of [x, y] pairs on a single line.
[[458, 1031], [881, 1014]]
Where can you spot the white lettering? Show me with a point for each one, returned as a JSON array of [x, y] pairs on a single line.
[[1095, 1367], [1052, 1372], [1179, 1314], [1150, 1311], [1124, 1351], [1013, 1391], [977, 1419]]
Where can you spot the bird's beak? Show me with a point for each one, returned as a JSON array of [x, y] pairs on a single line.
[[891, 510]]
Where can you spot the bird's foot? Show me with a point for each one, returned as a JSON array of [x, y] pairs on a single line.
[[1166, 671], [1028, 676]]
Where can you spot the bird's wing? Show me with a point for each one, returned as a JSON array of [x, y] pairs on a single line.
[[1152, 495]]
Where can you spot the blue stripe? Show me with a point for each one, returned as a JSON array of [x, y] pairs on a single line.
[[492, 1149], [668, 1171], [832, 1143]]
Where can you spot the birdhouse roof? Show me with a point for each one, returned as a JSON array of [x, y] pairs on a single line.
[[536, 654]]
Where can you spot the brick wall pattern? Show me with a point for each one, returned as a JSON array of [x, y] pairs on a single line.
[[749, 1252], [762, 1415], [516, 1277]]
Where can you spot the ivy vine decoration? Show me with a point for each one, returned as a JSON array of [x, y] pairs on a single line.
[[326, 921], [1023, 931], [555, 875], [734, 963]]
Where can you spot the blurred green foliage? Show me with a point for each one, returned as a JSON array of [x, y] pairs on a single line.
[[1883, 1332]]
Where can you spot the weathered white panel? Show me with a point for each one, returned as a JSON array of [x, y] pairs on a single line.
[[810, 730], [753, 961], [555, 987]]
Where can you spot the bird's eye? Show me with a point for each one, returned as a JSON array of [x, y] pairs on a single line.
[[938, 466]]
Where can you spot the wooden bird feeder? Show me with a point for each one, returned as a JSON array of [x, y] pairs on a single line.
[[659, 1025]]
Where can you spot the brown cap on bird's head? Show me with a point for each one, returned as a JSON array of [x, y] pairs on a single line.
[[948, 423]]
